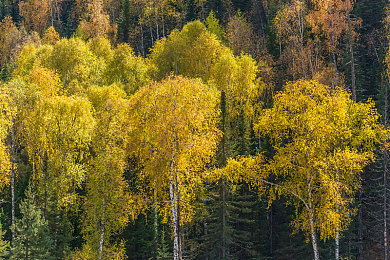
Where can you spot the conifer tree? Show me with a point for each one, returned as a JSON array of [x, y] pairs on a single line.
[[32, 239], [4, 245]]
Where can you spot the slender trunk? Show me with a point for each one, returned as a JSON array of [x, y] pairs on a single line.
[[156, 223], [13, 201], [151, 32], [310, 210], [142, 42], [360, 230], [174, 217], [313, 236], [179, 232], [353, 76], [385, 242], [58, 12], [44, 175], [205, 231], [271, 244], [51, 13], [28, 229], [301, 42], [156, 16], [279, 34], [101, 242], [203, 11], [13, 176], [332, 39], [163, 22], [102, 220], [174, 195], [337, 250], [223, 220]]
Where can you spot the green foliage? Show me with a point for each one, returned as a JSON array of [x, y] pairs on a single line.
[[214, 27], [73, 61], [78, 115], [127, 69], [32, 237], [4, 244], [190, 52]]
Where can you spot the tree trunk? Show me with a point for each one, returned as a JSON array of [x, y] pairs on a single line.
[[58, 12], [156, 16], [337, 250], [102, 220], [51, 13], [156, 223], [13, 201], [385, 242], [179, 231], [360, 230], [309, 208], [353, 76], [13, 176], [176, 249], [102, 226], [313, 236], [271, 244], [224, 239], [142, 42], [174, 196], [163, 22], [151, 32]]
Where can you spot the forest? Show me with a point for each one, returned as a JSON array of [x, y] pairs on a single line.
[[194, 129]]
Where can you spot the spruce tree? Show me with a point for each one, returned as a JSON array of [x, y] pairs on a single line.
[[32, 239], [4, 245], [125, 21]]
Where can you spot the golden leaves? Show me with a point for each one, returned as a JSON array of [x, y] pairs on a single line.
[[176, 124], [6, 114], [322, 140]]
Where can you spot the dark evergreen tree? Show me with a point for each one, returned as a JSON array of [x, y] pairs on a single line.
[[139, 239], [124, 22], [4, 244], [60, 229], [32, 236], [221, 8]]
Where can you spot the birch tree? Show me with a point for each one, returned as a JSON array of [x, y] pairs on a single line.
[[322, 141], [176, 138]]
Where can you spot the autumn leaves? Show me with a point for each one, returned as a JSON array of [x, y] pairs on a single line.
[[104, 138]]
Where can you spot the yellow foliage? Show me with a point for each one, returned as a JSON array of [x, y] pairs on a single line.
[[175, 136], [322, 141], [5, 124], [57, 133], [51, 36], [108, 202], [97, 22], [189, 52]]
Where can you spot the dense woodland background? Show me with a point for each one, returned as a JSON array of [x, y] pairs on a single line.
[[83, 84]]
